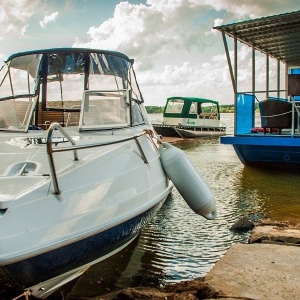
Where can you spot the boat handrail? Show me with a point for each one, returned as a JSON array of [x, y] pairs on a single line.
[[75, 147]]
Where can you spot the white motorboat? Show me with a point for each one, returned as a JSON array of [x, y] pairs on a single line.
[[80, 172]]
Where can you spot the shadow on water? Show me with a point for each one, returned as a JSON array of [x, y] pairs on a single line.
[[181, 245]]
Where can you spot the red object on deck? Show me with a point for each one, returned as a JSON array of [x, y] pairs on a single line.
[[261, 129]]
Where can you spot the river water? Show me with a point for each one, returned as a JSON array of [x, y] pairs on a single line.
[[181, 245]]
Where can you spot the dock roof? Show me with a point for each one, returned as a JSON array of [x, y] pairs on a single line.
[[277, 36]]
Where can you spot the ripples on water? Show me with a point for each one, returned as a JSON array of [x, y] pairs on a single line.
[[181, 245], [184, 245]]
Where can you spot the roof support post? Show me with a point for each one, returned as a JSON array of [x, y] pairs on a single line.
[[235, 82], [253, 70], [267, 76], [278, 78], [253, 83], [286, 72], [229, 62]]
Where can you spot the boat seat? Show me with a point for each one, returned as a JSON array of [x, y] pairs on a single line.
[[276, 114], [208, 116], [46, 117], [73, 117]]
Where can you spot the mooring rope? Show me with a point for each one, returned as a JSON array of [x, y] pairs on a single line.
[[26, 294], [271, 116]]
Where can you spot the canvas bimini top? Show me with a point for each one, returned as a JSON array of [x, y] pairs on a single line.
[[189, 107], [66, 50]]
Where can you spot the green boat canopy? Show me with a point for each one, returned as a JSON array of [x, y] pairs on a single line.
[[194, 99], [189, 107]]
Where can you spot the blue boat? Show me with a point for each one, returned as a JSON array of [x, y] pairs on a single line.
[[266, 120]]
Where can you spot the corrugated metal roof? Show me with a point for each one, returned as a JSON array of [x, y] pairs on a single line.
[[278, 36]]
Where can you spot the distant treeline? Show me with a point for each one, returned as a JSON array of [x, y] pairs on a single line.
[[159, 109]]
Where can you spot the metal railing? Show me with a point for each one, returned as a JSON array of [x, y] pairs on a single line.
[[75, 147]]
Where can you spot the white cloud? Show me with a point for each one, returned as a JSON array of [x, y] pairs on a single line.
[[48, 19], [14, 15], [208, 80], [145, 31], [173, 42], [250, 9], [160, 26], [180, 31]]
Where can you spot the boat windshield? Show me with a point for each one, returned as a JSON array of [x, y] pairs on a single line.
[[45, 86], [97, 110]]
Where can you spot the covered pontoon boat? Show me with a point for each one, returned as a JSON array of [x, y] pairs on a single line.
[[190, 117], [266, 131]]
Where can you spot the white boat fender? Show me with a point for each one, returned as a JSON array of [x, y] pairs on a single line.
[[188, 181]]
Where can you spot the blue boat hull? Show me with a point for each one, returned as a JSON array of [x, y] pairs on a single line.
[[266, 151], [32, 270]]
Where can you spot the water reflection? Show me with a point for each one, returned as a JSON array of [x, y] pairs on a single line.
[[277, 190]]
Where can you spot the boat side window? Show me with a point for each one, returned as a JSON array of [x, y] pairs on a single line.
[[209, 111], [193, 108], [6, 87], [16, 79], [174, 106], [15, 113], [19, 90], [137, 116]]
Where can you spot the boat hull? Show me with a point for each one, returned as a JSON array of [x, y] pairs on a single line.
[[164, 130], [200, 132], [266, 151], [103, 206], [196, 132], [74, 257]]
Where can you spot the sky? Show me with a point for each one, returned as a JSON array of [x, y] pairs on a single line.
[[176, 50]]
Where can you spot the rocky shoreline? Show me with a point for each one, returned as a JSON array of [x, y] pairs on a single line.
[[268, 267]]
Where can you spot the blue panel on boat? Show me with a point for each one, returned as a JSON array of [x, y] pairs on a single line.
[[261, 140], [295, 72], [253, 155], [245, 109]]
